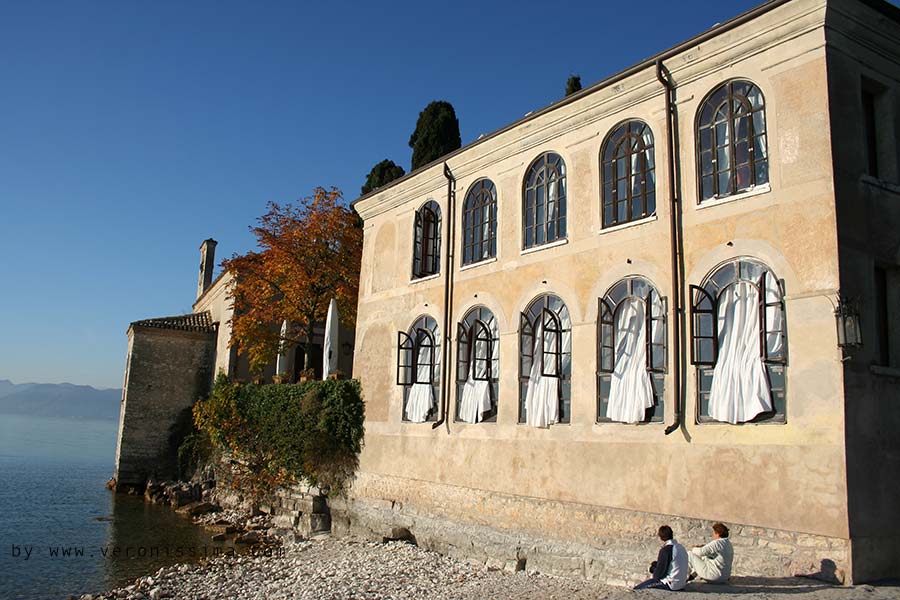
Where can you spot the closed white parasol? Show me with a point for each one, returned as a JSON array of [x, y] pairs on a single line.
[[330, 351]]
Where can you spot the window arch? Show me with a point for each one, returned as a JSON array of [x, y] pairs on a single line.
[[480, 222], [477, 366], [731, 140], [545, 362], [418, 369], [739, 343], [427, 240], [544, 201], [628, 176], [631, 352]]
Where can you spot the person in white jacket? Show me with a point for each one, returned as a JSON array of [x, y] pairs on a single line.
[[712, 562]]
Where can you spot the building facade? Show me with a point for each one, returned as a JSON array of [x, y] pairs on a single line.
[[620, 311]]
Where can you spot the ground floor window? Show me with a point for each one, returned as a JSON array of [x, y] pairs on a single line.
[[545, 362], [418, 369], [477, 366]]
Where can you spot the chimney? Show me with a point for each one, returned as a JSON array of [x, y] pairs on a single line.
[[207, 264]]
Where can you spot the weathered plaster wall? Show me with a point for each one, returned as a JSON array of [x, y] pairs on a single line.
[[217, 300], [788, 477], [863, 44], [166, 372]]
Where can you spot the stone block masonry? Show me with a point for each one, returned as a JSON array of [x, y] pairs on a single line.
[[564, 538], [168, 369]]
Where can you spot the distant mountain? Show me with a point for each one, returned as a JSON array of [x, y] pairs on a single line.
[[58, 400]]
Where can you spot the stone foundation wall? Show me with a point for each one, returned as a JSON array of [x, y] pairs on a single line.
[[564, 538]]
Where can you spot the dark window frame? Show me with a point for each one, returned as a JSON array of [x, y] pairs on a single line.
[[409, 346], [619, 145], [539, 226], [543, 302], [776, 366], [483, 322], [607, 313], [710, 145], [479, 241], [427, 241]]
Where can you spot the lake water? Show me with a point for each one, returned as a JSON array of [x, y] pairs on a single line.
[[61, 532]]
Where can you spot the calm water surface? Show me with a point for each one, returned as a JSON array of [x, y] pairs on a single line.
[[61, 532]]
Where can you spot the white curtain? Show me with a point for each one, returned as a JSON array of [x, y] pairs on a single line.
[[476, 395], [631, 391], [552, 200], [542, 395], [421, 397], [740, 389]]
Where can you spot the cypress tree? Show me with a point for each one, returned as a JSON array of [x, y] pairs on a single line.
[[381, 174], [573, 84], [436, 134]]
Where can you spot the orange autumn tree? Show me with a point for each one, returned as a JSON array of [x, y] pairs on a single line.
[[309, 252]]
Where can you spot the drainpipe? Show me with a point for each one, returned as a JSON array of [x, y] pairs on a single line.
[[448, 298], [675, 239]]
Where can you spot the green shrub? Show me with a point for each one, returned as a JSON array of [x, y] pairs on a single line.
[[280, 435]]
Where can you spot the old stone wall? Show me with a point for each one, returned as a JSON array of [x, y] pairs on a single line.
[[863, 51], [512, 532], [166, 372]]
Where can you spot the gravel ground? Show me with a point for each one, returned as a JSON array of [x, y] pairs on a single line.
[[345, 569]]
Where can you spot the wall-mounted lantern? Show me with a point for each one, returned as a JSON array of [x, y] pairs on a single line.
[[846, 313]]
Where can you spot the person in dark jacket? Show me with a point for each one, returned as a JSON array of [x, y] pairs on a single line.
[[670, 569]]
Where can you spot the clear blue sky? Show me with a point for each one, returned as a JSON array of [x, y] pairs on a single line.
[[131, 131]]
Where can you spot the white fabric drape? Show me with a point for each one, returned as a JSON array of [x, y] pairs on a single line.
[[421, 398], [740, 389], [542, 395], [552, 198], [476, 395], [631, 391]]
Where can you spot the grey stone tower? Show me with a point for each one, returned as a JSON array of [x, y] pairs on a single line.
[[207, 264]]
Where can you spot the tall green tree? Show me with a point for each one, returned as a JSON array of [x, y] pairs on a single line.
[[573, 84], [436, 134], [382, 174]]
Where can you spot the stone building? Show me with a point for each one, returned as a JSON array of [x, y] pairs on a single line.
[[642, 304], [172, 362]]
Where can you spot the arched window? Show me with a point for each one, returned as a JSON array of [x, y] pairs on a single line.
[[427, 240], [477, 366], [480, 222], [544, 201], [545, 362], [418, 369], [629, 182], [731, 140], [739, 343], [631, 346]]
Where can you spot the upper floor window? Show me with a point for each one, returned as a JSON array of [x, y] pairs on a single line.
[[418, 369], [545, 362], [477, 366], [629, 183], [480, 222], [631, 352], [731, 140], [427, 240], [739, 343], [544, 201]]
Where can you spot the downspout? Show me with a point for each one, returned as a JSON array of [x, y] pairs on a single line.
[[448, 298], [675, 246]]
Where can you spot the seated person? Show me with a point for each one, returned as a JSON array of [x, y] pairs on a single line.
[[670, 569], [712, 562]]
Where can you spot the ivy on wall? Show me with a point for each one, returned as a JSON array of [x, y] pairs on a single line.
[[281, 435]]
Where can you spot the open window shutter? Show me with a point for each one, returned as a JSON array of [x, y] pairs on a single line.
[[405, 363], [768, 329], [704, 328], [435, 242], [462, 353], [481, 352], [551, 360], [526, 352], [607, 358], [418, 245], [654, 322], [424, 341]]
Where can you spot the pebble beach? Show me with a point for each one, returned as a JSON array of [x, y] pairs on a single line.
[[330, 568]]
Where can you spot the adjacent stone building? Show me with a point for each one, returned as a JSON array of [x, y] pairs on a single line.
[[642, 305]]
